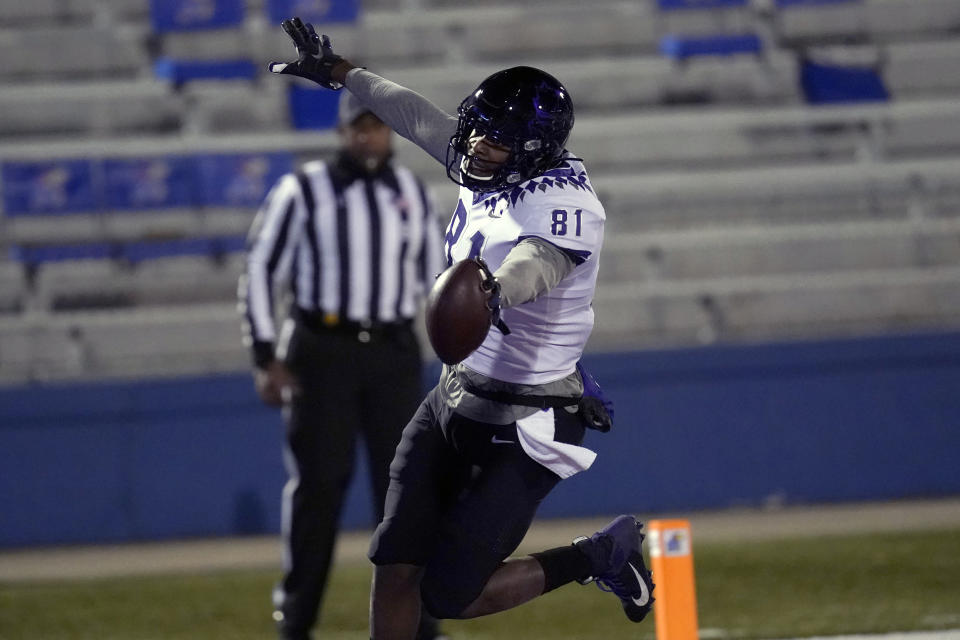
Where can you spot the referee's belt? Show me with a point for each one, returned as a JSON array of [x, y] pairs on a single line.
[[365, 331]]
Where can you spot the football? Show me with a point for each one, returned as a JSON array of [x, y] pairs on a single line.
[[457, 315]]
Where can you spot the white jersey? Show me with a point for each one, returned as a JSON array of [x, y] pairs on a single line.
[[547, 334]]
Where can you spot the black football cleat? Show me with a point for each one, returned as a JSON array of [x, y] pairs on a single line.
[[615, 556]]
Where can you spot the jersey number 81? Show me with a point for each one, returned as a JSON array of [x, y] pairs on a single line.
[[559, 226]]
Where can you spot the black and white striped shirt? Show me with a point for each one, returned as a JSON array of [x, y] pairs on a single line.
[[351, 246]]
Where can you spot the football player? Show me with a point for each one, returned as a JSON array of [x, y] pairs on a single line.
[[505, 425]]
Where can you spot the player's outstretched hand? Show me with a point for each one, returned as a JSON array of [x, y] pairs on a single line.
[[315, 56]]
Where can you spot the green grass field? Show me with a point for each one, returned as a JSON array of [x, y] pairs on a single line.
[[769, 589]]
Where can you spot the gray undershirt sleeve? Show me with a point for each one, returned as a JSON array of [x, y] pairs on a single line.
[[531, 268], [405, 111]]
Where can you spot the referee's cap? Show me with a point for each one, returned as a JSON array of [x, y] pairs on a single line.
[[350, 109]]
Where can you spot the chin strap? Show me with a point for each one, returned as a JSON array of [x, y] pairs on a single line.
[[493, 302]]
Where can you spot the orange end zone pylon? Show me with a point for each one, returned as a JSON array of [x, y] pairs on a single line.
[[671, 560]]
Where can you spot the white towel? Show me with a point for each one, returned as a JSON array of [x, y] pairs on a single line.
[[536, 434]]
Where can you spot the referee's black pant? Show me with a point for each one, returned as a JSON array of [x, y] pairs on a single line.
[[354, 381]]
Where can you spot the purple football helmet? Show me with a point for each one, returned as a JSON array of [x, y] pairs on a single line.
[[522, 108]]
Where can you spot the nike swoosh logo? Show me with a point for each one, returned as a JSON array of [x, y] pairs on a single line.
[[496, 440], [644, 592]]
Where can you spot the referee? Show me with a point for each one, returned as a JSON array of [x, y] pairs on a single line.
[[355, 245]]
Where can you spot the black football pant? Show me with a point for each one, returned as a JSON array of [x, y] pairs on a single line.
[[352, 384]]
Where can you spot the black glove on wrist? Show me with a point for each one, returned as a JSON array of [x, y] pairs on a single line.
[[596, 409], [493, 303], [315, 55]]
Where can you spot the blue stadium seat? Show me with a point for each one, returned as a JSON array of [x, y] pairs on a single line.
[[241, 179], [136, 252], [33, 255], [314, 11], [828, 84], [672, 5], [161, 182], [684, 47], [799, 3], [56, 186], [133, 252], [313, 108], [194, 15], [178, 16], [177, 72], [223, 245]]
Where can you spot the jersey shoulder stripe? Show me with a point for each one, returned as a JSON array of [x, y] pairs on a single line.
[[565, 176]]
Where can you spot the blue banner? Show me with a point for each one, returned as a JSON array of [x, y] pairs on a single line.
[[240, 180], [162, 182], [189, 15], [58, 186], [317, 12]]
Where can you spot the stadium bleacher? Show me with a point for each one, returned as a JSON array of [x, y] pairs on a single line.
[[95, 51], [147, 341], [93, 109], [736, 209], [13, 287]]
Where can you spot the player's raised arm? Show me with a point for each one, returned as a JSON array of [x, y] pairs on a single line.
[[407, 112]]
